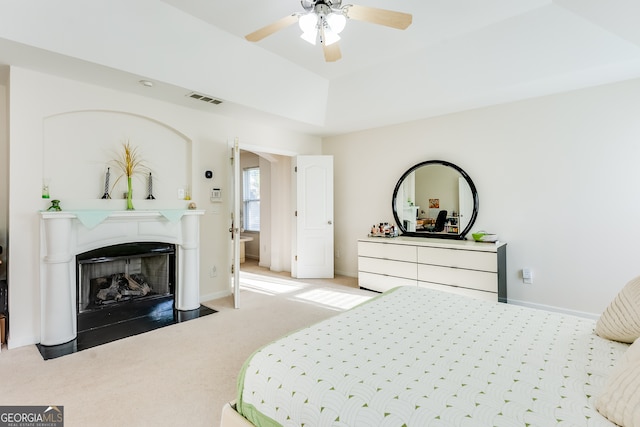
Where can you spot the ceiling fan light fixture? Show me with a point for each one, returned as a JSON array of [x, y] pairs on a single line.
[[337, 22], [308, 23], [310, 37], [323, 20]]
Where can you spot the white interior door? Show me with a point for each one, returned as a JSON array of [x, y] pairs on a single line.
[[234, 230], [313, 242]]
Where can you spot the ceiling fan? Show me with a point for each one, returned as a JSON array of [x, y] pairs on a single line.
[[325, 19]]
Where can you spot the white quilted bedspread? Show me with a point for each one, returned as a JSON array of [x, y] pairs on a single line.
[[418, 357]]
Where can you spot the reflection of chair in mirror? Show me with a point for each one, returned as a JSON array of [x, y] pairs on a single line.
[[440, 221]]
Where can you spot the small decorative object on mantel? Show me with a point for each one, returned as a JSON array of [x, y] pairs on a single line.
[[106, 185], [45, 188], [55, 206], [192, 205], [384, 229], [150, 185], [130, 164]]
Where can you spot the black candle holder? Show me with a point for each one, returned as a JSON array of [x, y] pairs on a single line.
[[150, 186], [106, 185]]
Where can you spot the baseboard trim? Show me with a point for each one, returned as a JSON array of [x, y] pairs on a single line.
[[214, 295], [577, 313], [14, 343], [345, 273]]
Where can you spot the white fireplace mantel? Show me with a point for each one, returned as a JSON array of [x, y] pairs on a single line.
[[65, 234]]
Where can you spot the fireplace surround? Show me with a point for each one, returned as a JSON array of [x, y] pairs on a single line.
[[66, 234]]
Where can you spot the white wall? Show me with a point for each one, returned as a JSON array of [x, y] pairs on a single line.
[[36, 96], [557, 179], [153, 39]]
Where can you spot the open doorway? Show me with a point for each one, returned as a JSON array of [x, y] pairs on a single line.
[[267, 222], [266, 211], [270, 232], [253, 197]]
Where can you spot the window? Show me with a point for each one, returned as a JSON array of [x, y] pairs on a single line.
[[251, 199]]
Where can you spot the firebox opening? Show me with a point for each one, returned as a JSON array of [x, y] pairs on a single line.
[[114, 276]]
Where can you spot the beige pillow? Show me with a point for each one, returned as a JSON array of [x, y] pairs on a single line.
[[621, 319], [620, 399]]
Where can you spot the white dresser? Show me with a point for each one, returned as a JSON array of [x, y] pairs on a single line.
[[458, 266]]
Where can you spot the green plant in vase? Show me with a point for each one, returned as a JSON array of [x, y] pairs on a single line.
[[130, 164]]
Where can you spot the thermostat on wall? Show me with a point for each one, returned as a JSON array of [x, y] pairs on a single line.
[[216, 195]]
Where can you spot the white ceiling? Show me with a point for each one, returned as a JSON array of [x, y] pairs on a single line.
[[363, 44], [456, 55]]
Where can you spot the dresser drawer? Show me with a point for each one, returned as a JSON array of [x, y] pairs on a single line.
[[486, 296], [471, 279], [381, 283], [456, 258], [407, 270], [387, 251]]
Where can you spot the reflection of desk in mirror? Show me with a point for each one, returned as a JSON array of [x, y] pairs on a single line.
[[243, 239], [451, 225], [423, 224]]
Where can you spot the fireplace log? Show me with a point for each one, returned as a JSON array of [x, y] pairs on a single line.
[[138, 283], [112, 292], [113, 288]]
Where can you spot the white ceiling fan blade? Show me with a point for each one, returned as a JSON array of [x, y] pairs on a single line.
[[272, 28], [384, 17], [332, 52]]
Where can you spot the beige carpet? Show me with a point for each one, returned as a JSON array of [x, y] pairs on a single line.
[[180, 375]]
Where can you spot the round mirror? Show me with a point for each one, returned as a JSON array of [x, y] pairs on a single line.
[[435, 199]]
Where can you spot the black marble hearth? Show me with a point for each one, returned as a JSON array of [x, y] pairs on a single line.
[[124, 322]]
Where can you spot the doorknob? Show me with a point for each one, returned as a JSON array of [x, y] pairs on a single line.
[[329, 222]]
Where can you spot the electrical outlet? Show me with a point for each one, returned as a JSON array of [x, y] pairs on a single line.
[[181, 193], [527, 275], [213, 272]]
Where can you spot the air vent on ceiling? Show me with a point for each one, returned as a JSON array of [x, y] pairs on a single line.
[[204, 98]]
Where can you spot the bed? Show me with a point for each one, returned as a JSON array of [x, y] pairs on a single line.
[[420, 357]]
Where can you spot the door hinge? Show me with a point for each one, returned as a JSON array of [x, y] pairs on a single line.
[[295, 169], [295, 213], [233, 268], [296, 257]]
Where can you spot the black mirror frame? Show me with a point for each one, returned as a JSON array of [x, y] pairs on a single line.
[[426, 234]]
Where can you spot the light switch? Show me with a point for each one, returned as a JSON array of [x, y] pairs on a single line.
[[527, 275], [216, 195]]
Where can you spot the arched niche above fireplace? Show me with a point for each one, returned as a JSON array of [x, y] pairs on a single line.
[[78, 146]]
